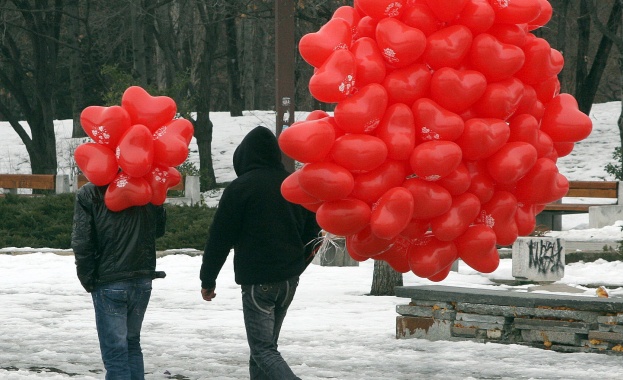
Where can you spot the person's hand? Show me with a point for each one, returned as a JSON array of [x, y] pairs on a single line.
[[208, 294]]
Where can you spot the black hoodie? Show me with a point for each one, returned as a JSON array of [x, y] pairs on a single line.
[[269, 235]]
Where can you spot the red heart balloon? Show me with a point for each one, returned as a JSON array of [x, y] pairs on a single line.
[[369, 60], [370, 186], [544, 16], [542, 62], [366, 27], [511, 162], [397, 131], [432, 160], [362, 112], [431, 199], [442, 274], [525, 219], [530, 104], [292, 191], [516, 11], [564, 122], [308, 141], [477, 15], [511, 34], [481, 184], [433, 122], [496, 60], [476, 247], [366, 244], [343, 217], [326, 181], [334, 81], [127, 191], [482, 137], [105, 125], [428, 256], [457, 90], [407, 84], [454, 222], [543, 184], [315, 48], [524, 128], [547, 89], [150, 111], [544, 145], [419, 15], [350, 15], [563, 148], [135, 152], [396, 257], [447, 47], [415, 229], [456, 182], [499, 215], [401, 44], [359, 152], [161, 178], [500, 100], [392, 213], [97, 162], [446, 10], [379, 9], [171, 142]]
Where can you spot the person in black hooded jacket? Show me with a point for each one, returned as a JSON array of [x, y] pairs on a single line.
[[273, 242], [115, 254]]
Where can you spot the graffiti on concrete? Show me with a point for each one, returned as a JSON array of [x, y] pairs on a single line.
[[546, 255]]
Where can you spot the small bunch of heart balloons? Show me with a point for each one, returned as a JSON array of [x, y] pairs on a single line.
[[445, 135], [135, 148]]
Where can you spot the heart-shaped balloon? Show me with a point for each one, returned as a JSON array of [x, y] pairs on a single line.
[[433, 122], [544, 16], [171, 142], [564, 122], [350, 15], [543, 184], [482, 137], [292, 191], [126, 191], [525, 219], [516, 11], [392, 213], [408, 84], [400, 44], [150, 111], [369, 186], [456, 182], [457, 90], [447, 47], [380, 9], [160, 179], [428, 256], [366, 244], [369, 60], [481, 184], [326, 181], [524, 127], [477, 15], [544, 144], [105, 125], [454, 222], [366, 27], [396, 256], [334, 81], [511, 162], [419, 15], [362, 112], [315, 48], [476, 247], [415, 229], [500, 100], [308, 141], [343, 217], [499, 215], [135, 152], [530, 104], [563, 148], [397, 131], [495, 59], [547, 89], [431, 199], [511, 34], [542, 62], [446, 10], [97, 162], [432, 160], [358, 152]]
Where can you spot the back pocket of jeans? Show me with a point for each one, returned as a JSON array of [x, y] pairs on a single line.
[[114, 301]]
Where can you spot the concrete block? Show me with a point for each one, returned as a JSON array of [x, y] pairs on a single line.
[[540, 259], [434, 304], [550, 325], [62, 184], [490, 319], [548, 337], [607, 336], [425, 311], [602, 216], [518, 311], [423, 328]]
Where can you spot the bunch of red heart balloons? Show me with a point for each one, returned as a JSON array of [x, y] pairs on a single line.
[[135, 148], [445, 134]]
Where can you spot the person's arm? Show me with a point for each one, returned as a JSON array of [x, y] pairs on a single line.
[[84, 241]]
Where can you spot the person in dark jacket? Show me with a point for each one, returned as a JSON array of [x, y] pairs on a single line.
[[273, 242], [115, 255]]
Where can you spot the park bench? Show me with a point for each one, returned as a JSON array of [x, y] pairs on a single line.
[[601, 213]]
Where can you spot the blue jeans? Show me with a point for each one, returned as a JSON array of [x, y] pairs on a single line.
[[264, 307], [119, 311]]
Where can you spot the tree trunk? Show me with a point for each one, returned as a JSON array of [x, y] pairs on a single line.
[[76, 75], [584, 34], [236, 102], [138, 42], [384, 279]]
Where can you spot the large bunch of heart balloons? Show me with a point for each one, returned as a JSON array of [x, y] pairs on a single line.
[[135, 148], [445, 134]]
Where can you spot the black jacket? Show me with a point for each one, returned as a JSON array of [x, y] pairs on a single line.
[[112, 246], [269, 235]]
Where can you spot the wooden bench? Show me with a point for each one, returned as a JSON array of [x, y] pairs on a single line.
[[552, 213]]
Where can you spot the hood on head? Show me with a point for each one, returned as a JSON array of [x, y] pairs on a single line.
[[258, 149]]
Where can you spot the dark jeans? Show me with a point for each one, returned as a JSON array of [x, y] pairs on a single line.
[[265, 306], [119, 311]]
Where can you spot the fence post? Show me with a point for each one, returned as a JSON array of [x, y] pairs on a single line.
[[62, 184], [191, 189]]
